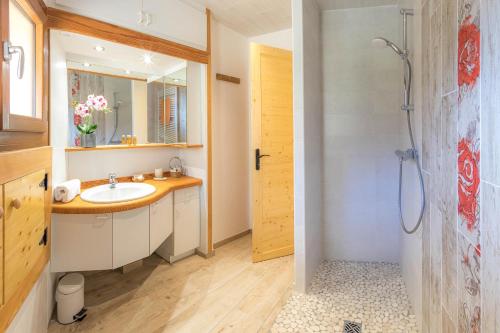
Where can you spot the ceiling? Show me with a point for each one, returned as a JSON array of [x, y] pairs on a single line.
[[344, 4], [116, 58], [249, 17]]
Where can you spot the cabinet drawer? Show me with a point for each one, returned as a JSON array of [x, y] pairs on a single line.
[[81, 242], [24, 226]]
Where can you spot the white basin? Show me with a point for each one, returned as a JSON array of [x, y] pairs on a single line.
[[122, 192]]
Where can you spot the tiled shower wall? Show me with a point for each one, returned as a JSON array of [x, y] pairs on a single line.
[[460, 154]]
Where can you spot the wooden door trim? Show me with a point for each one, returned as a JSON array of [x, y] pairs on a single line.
[[62, 20], [210, 247]]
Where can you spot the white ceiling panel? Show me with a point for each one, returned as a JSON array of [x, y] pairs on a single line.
[[249, 17]]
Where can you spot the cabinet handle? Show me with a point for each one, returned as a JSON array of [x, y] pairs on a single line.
[[1, 212], [104, 217], [16, 203]]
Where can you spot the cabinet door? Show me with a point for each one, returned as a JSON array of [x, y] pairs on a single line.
[[81, 242], [186, 220], [130, 236], [161, 221], [24, 206]]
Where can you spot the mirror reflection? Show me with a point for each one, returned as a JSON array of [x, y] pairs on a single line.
[[118, 94]]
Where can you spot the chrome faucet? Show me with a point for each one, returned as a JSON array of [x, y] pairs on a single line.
[[112, 180]]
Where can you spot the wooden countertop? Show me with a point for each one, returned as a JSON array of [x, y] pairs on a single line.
[[78, 206]]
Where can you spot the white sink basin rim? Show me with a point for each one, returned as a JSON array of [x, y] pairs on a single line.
[[120, 193]]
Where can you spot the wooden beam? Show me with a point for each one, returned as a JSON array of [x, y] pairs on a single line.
[[227, 78], [62, 20]]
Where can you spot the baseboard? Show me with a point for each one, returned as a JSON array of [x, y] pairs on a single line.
[[232, 238]]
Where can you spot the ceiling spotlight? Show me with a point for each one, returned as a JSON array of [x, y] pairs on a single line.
[[99, 48], [176, 80], [127, 71], [148, 59], [86, 64]]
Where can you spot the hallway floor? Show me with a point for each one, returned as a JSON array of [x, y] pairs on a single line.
[[372, 294], [226, 293]]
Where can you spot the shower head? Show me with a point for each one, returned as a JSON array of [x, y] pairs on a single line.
[[381, 42]]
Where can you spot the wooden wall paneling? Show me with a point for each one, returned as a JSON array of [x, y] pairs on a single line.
[[62, 20]]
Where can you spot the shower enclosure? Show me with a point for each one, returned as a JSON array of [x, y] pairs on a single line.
[[411, 153]]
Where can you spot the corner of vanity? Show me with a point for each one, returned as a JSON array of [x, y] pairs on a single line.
[[90, 236]]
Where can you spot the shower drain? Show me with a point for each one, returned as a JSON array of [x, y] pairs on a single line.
[[352, 327]]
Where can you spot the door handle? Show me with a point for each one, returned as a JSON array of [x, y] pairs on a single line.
[[258, 156]]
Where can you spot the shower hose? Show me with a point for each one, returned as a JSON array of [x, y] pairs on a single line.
[[414, 156]]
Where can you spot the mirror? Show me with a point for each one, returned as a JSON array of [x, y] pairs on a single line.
[[124, 93]]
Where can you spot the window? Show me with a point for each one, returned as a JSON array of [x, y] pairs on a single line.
[[22, 34], [23, 105]]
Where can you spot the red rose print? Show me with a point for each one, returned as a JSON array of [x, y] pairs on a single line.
[[468, 183], [77, 120], [468, 53]]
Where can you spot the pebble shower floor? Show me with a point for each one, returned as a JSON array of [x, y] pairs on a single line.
[[372, 294]]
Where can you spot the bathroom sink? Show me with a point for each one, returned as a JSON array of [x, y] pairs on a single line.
[[120, 193]]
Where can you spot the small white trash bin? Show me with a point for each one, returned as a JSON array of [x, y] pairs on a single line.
[[69, 298]]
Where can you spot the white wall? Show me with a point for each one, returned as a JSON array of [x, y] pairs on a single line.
[[172, 19], [308, 118], [282, 39], [58, 109], [362, 100], [230, 152]]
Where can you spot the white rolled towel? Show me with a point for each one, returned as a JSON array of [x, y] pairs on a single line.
[[67, 190]]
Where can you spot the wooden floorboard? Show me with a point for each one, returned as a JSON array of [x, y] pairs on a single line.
[[225, 293]]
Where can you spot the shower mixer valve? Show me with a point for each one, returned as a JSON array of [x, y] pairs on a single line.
[[407, 107], [409, 154]]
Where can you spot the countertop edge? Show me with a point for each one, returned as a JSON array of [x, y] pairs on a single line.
[[78, 206]]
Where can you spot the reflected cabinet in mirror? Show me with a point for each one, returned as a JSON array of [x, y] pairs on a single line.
[[121, 95]]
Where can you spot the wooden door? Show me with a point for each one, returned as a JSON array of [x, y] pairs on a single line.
[[25, 223], [272, 134]]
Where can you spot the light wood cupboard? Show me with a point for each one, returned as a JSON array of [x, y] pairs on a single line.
[[24, 228], [161, 217], [25, 199]]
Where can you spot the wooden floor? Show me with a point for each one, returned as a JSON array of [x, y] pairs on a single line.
[[226, 293]]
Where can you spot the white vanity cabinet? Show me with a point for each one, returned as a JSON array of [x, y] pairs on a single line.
[[161, 221], [130, 236], [86, 242], [186, 220], [186, 235], [81, 242]]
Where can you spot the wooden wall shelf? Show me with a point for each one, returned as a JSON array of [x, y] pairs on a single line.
[[138, 146]]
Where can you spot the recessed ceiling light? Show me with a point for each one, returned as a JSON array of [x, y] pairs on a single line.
[[176, 80], [99, 48], [86, 64], [127, 71], [148, 59]]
